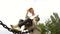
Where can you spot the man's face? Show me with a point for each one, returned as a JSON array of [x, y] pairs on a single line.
[[35, 19]]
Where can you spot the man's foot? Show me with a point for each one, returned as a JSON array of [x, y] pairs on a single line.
[[12, 26]]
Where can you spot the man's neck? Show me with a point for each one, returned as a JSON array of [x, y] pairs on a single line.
[[35, 22]]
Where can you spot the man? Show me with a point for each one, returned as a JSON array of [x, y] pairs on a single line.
[[33, 28]]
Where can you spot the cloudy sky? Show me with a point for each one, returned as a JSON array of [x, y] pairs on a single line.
[[13, 10]]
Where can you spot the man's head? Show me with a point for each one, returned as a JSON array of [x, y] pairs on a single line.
[[36, 19]]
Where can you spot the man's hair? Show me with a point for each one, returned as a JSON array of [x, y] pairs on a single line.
[[37, 18]]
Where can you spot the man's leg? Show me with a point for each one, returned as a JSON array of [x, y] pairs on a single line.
[[14, 26]]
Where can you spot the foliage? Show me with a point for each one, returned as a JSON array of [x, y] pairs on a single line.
[[42, 27], [51, 26]]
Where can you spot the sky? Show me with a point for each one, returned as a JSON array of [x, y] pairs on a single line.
[[13, 10]]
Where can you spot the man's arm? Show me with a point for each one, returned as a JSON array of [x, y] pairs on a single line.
[[36, 27]]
